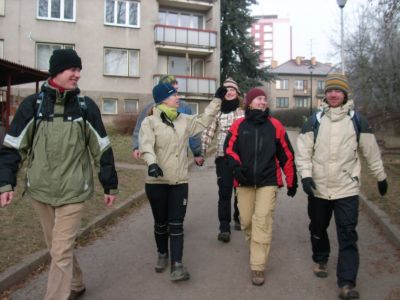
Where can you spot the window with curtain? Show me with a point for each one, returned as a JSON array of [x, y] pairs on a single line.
[[44, 51], [122, 13], [282, 84], [62, 10], [194, 107], [282, 102], [2, 8], [1, 48], [302, 101], [121, 62], [109, 106], [131, 106], [181, 19]]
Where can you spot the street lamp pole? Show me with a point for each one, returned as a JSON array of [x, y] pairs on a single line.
[[311, 68], [341, 4]]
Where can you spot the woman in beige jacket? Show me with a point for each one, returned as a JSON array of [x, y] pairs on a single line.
[[163, 140]]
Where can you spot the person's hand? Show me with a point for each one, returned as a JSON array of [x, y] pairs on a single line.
[[136, 154], [382, 187], [221, 92], [199, 160], [109, 199], [291, 192], [308, 186], [6, 197], [238, 174], [155, 171]]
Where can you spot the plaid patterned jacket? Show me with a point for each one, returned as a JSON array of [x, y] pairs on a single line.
[[220, 126]]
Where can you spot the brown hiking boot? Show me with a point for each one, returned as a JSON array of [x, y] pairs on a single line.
[[257, 277], [321, 270], [348, 291], [76, 294]]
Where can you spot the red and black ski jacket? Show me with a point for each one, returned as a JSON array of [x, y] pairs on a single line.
[[259, 145]]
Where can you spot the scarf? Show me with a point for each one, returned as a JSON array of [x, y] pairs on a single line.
[[228, 106], [170, 112]]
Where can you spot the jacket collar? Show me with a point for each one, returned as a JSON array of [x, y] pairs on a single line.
[[56, 95], [338, 113]]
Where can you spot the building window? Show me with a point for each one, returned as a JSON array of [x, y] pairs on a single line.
[[300, 85], [124, 13], [131, 106], [282, 102], [257, 35], [282, 84], [60, 10], [110, 106], [321, 85], [194, 107], [267, 53], [44, 51], [268, 45], [1, 48], [2, 8], [267, 36], [302, 101], [121, 62], [181, 19], [257, 43], [257, 27], [267, 28]]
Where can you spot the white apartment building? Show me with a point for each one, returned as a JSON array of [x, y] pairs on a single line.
[[125, 46]]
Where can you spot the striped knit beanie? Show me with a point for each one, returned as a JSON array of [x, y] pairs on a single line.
[[229, 82], [337, 81]]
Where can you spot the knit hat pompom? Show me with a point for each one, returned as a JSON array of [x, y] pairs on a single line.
[[229, 82], [336, 81], [171, 79], [252, 94], [63, 59], [162, 91]]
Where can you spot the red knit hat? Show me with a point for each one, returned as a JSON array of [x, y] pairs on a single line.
[[253, 93]]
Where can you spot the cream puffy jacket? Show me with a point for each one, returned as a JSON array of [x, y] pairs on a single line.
[[333, 160], [166, 144]]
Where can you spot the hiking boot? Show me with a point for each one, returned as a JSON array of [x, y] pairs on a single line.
[[257, 277], [224, 237], [237, 226], [321, 270], [178, 272], [348, 291], [162, 262], [76, 294]]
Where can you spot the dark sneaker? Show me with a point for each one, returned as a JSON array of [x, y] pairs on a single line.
[[76, 294], [321, 270], [224, 237], [257, 277], [237, 226], [162, 262], [178, 272], [348, 291]]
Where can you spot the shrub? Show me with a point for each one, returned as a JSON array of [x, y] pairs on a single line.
[[293, 117], [125, 123]]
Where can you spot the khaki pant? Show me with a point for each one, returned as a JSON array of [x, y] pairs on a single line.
[[256, 207], [60, 227]]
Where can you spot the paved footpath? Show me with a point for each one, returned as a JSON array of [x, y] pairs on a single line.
[[120, 265]]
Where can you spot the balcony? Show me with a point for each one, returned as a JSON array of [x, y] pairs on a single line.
[[193, 85], [199, 5], [185, 40], [302, 92]]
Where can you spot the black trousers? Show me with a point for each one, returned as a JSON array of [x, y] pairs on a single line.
[[168, 204], [345, 211], [225, 187]]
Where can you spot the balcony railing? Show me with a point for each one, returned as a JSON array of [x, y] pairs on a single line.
[[193, 85], [186, 37], [301, 92], [202, 5]]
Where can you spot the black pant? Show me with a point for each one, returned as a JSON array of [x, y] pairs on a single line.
[[168, 204], [346, 218], [225, 187]]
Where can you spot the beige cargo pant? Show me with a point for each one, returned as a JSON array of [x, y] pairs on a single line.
[[60, 227], [256, 207]]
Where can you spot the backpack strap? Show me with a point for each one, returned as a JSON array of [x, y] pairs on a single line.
[[84, 112], [315, 121], [355, 118]]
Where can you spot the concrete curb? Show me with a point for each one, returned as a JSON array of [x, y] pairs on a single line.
[[21, 270], [382, 219]]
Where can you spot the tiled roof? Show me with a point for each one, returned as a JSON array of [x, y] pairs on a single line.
[[292, 68], [19, 74]]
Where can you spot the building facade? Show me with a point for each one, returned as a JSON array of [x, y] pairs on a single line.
[[299, 83], [273, 36], [125, 46]]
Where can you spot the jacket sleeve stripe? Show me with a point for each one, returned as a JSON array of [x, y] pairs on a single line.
[[231, 140], [15, 141], [103, 142]]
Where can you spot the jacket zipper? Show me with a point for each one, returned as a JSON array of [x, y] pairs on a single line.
[[255, 159]]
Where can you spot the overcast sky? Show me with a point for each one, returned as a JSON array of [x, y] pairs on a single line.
[[312, 20]]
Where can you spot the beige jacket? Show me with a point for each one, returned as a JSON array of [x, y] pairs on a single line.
[[167, 146], [333, 160]]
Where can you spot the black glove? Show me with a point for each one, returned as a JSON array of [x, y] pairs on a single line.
[[308, 186], [221, 92], [382, 187], [238, 174], [291, 192], [155, 171]]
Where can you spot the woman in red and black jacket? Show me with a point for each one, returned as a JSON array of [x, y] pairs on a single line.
[[257, 148]]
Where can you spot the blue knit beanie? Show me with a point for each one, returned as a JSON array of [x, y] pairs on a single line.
[[162, 91]]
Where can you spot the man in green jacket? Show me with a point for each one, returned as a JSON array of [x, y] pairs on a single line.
[[58, 131]]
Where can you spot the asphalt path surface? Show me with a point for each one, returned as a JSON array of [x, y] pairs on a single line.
[[120, 265]]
